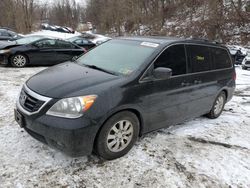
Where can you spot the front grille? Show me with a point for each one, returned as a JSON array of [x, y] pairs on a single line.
[[29, 103]]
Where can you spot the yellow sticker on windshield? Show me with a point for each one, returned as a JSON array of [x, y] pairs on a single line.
[[150, 44]]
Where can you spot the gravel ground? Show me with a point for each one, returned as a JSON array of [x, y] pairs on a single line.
[[197, 153]]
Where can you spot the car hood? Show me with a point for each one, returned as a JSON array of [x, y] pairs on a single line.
[[66, 80], [7, 44]]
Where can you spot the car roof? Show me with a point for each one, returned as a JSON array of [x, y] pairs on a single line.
[[167, 40]]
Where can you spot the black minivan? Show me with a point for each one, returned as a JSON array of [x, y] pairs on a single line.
[[123, 89]]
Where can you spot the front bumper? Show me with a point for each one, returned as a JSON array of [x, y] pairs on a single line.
[[3, 60], [75, 137]]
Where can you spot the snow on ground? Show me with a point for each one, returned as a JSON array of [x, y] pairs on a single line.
[[198, 153]]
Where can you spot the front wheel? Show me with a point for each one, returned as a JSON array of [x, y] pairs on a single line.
[[218, 106], [117, 136], [19, 60]]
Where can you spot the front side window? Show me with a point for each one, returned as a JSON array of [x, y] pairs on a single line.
[[199, 58], [48, 43], [174, 58]]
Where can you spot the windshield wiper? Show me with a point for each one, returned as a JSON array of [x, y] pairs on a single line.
[[100, 69]]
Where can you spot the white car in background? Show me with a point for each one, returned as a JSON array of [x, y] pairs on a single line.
[[246, 62]]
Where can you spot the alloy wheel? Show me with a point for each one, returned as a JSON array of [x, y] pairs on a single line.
[[120, 135], [218, 107], [19, 60]]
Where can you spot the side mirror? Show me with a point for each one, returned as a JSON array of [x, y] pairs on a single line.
[[162, 73]]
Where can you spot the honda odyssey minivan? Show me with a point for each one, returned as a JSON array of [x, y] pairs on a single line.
[[123, 89]]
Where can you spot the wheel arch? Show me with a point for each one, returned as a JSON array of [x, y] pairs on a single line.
[[18, 53], [226, 93], [133, 110]]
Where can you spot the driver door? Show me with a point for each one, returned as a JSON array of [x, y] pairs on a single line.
[[43, 52], [170, 100]]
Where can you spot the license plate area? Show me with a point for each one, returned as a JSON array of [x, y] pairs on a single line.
[[19, 118]]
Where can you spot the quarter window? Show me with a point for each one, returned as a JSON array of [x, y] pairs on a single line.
[[221, 58], [48, 43], [174, 58], [199, 58]]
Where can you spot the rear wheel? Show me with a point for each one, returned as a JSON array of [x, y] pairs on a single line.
[[19, 60], [218, 106], [117, 135]]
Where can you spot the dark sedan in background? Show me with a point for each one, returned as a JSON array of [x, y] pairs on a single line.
[[38, 50], [83, 42], [7, 34]]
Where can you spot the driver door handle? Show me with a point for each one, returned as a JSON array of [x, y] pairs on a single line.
[[184, 84], [197, 82]]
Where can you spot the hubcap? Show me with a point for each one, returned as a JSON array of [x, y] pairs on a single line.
[[120, 135], [19, 60], [218, 105]]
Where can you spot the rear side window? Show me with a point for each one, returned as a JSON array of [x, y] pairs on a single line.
[[64, 45], [174, 58], [221, 58], [199, 58]]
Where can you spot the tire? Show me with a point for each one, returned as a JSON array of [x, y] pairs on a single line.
[[19, 60], [218, 106], [110, 142]]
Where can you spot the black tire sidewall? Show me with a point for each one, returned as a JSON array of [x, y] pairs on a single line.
[[14, 65], [101, 146]]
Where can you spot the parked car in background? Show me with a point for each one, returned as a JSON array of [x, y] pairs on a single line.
[[95, 38], [122, 89], [99, 41], [7, 34], [38, 50], [237, 53], [246, 62], [83, 42], [57, 28]]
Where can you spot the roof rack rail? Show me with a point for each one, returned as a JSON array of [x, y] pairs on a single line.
[[205, 40]]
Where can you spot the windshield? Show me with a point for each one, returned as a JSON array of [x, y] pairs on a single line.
[[118, 56], [28, 40]]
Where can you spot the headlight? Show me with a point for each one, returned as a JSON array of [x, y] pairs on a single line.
[[72, 107], [4, 51]]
